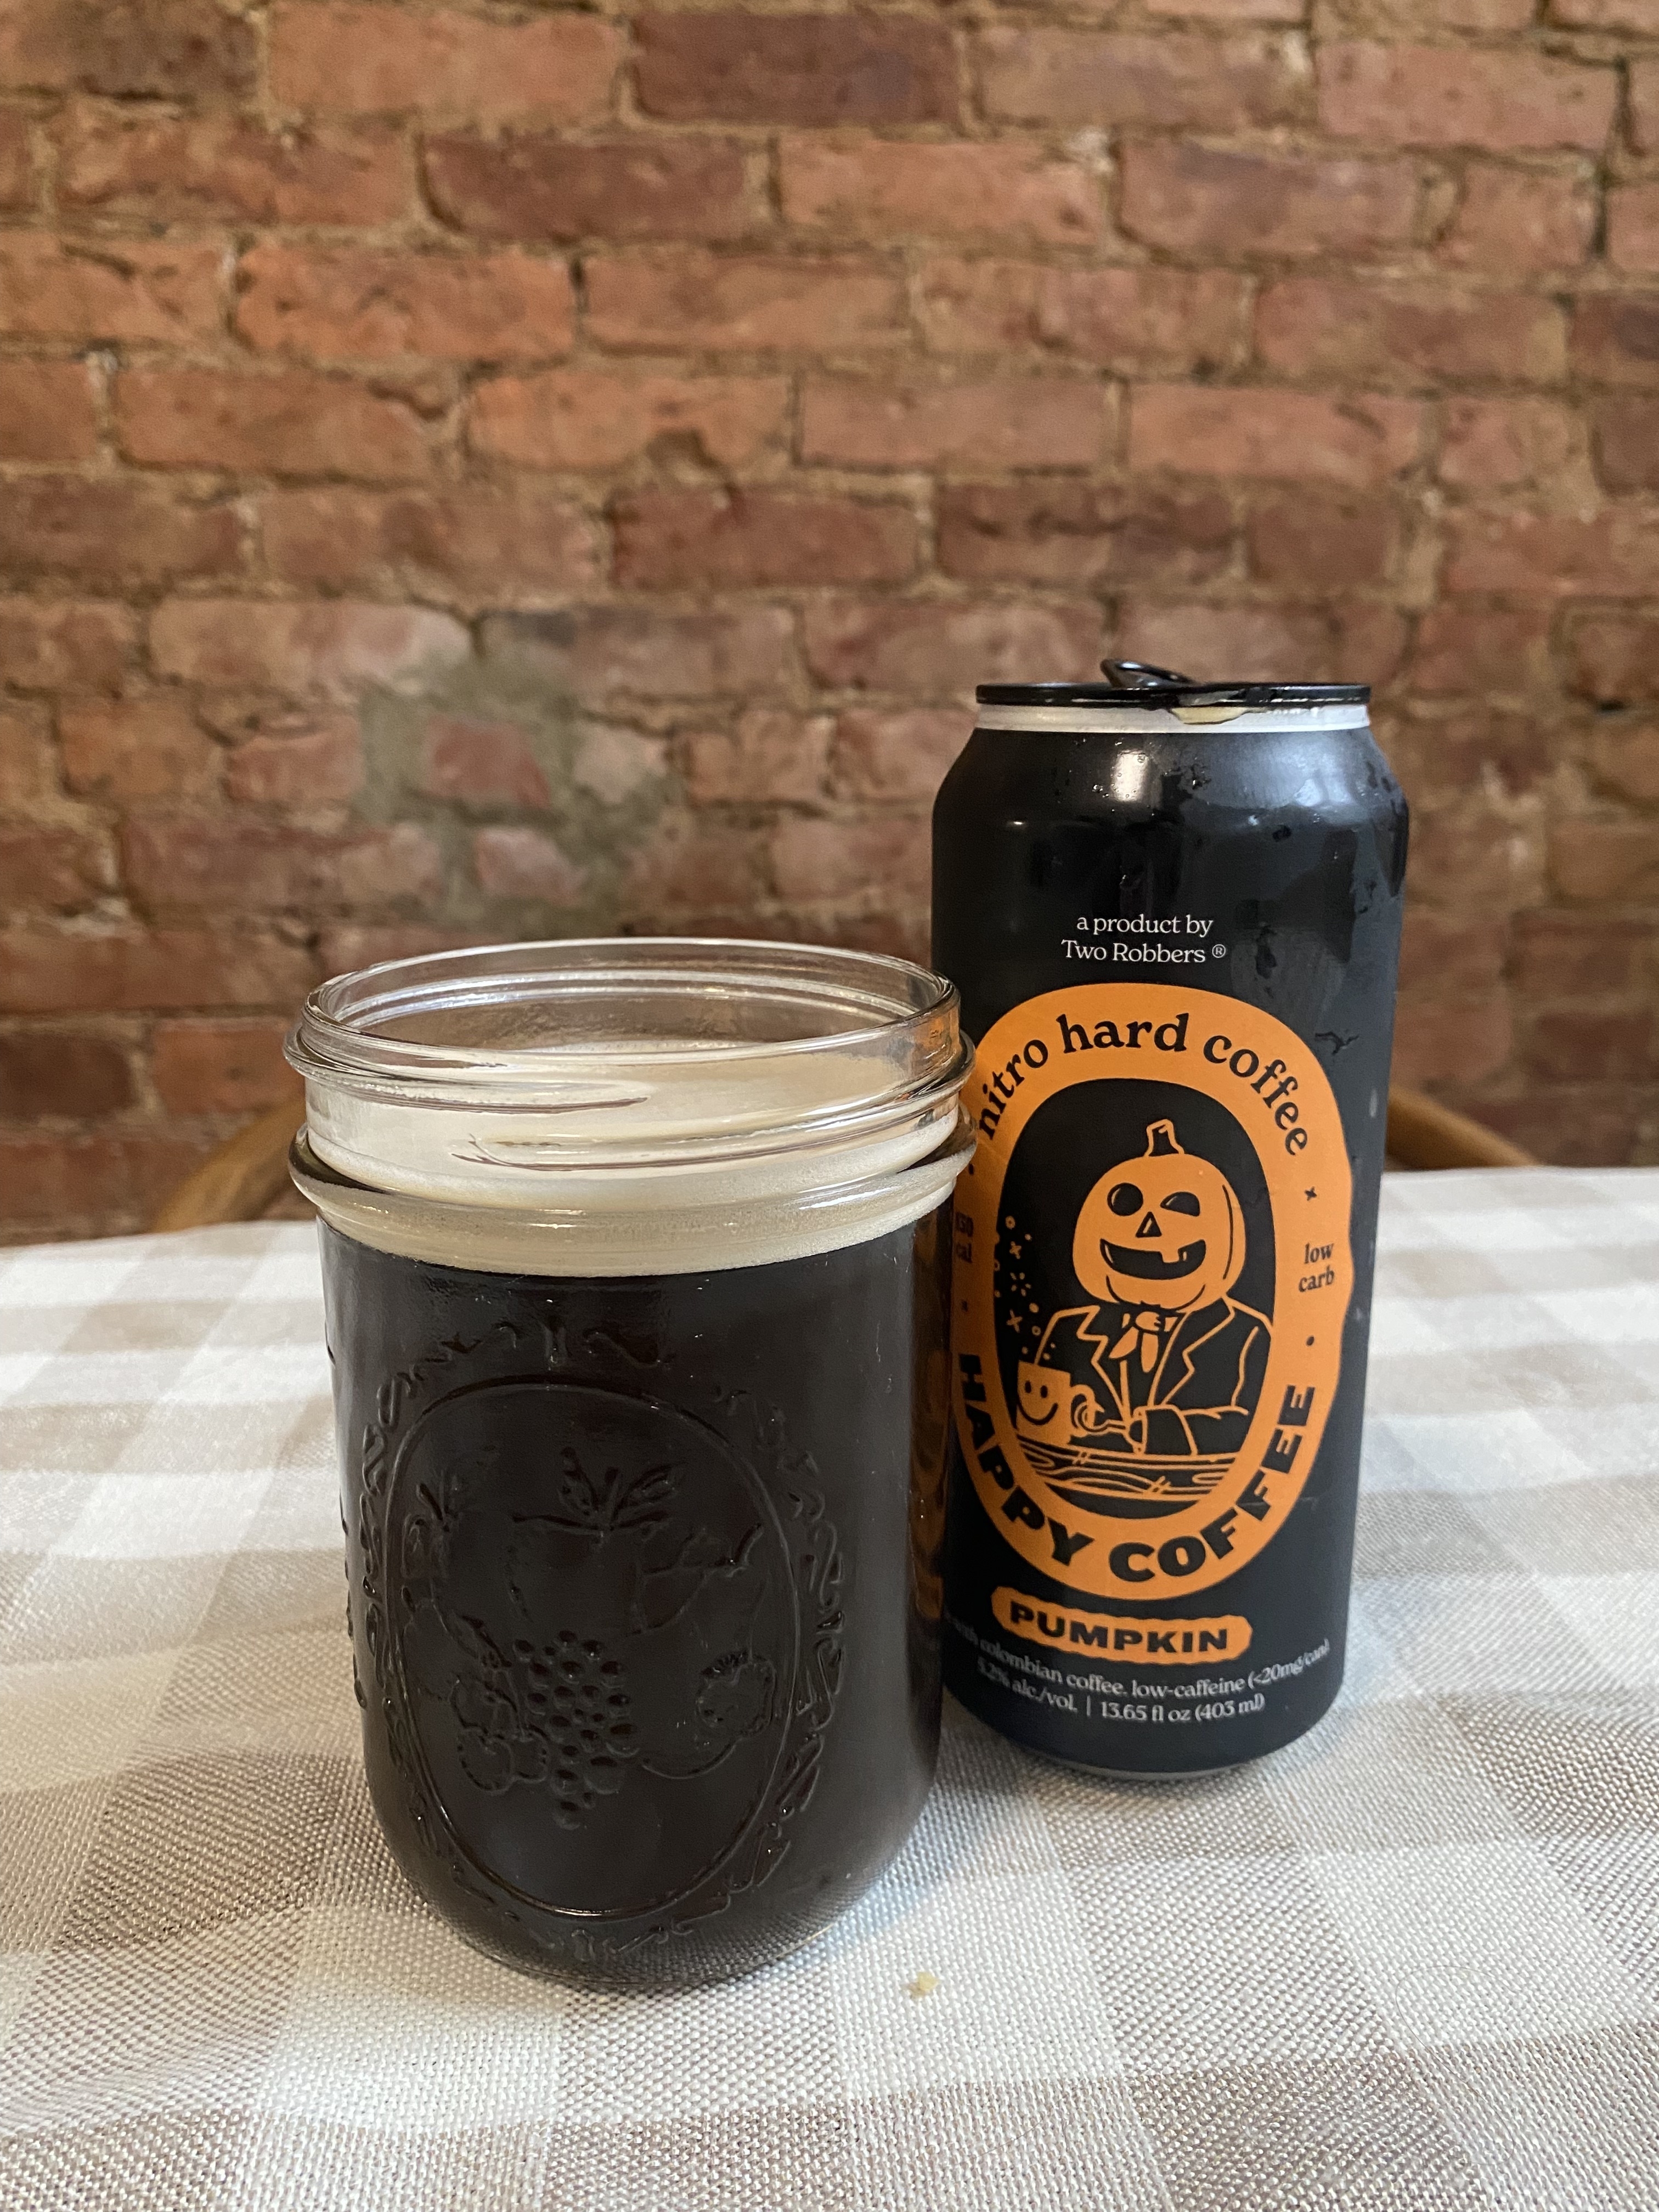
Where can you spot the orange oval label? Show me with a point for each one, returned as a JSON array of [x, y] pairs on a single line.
[[1153, 1275]]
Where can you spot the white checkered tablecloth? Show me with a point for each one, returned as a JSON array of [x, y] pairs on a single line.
[[1410, 1962]]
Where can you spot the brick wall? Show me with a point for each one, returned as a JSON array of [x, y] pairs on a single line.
[[471, 468]]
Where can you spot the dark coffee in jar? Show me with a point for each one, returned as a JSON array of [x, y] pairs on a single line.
[[1173, 911], [642, 1555]]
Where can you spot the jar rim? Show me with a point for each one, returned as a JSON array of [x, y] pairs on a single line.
[[630, 1104], [840, 1000]]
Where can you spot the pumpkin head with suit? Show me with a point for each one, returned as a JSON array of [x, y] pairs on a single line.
[[1167, 1365]]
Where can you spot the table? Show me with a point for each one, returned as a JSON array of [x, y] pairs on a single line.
[[1411, 1962]]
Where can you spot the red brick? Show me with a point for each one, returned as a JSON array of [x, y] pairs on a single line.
[[344, 946], [1319, 541], [480, 763], [578, 418], [336, 647], [1196, 199], [1443, 752], [1578, 1124], [221, 1067], [1616, 658], [526, 864], [397, 866], [1368, 642], [1058, 531], [1580, 956], [1442, 955], [1362, 441], [239, 865], [348, 303], [1458, 1039], [1584, 1043], [65, 644], [123, 290], [1521, 222], [1250, 643], [1615, 340], [1501, 102], [174, 168], [47, 411], [1613, 555], [154, 49], [113, 532], [46, 866], [62, 1073], [102, 1185], [294, 422], [1141, 321], [1605, 861], [1309, 327], [1634, 229], [784, 755], [896, 755], [602, 651], [900, 935], [544, 187], [1501, 445], [1639, 15], [297, 760], [1099, 79], [1574, 1124], [28, 766], [1644, 105], [363, 59], [468, 539], [818, 860], [705, 65], [128, 971], [875, 188], [1050, 423], [693, 867], [1474, 855], [616, 763], [16, 166], [1477, 650], [669, 540], [940, 650], [1231, 11], [136, 750], [1625, 757], [698, 299]]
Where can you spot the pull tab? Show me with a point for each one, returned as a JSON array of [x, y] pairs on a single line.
[[1139, 675]]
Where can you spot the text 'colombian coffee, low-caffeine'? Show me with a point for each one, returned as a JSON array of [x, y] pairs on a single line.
[[1173, 912]]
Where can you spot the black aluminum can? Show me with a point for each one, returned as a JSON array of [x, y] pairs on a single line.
[[1173, 912]]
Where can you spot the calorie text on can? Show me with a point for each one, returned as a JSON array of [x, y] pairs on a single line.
[[1173, 912]]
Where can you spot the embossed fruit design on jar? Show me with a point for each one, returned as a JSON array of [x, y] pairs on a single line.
[[643, 1489]]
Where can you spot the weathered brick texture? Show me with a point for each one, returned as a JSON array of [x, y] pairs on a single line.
[[470, 467]]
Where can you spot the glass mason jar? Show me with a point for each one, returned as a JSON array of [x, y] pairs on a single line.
[[636, 1269]]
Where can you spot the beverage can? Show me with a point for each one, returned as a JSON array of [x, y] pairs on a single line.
[[1173, 912]]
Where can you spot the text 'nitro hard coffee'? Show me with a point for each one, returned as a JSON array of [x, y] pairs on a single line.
[[1173, 912]]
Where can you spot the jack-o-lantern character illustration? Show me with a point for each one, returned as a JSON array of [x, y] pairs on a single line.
[[1164, 1231], [1149, 1392]]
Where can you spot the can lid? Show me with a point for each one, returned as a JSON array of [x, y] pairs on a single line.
[[1135, 684]]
